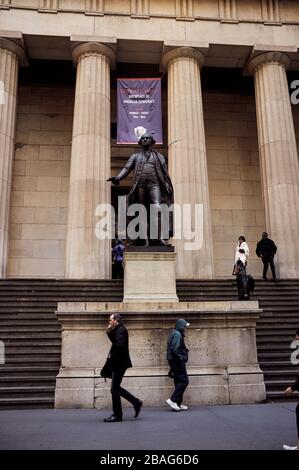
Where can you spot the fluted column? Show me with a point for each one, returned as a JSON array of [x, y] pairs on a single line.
[[10, 53], [86, 255], [278, 158], [187, 155]]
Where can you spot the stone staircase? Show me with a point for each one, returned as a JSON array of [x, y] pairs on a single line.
[[275, 329], [32, 335]]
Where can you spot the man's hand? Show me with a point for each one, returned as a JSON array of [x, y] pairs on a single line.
[[241, 250], [114, 180], [288, 391]]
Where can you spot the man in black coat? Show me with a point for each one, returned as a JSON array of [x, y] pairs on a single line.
[[266, 249], [120, 361]]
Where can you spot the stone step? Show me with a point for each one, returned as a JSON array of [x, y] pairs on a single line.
[[7, 338], [20, 403], [287, 374], [19, 392], [33, 343], [280, 396], [274, 330], [286, 340], [276, 383], [28, 371], [33, 359], [274, 365], [30, 381], [12, 350], [20, 323]]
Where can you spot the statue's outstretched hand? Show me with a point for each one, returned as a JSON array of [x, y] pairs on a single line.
[[114, 180]]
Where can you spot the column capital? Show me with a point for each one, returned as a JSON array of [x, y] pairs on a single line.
[[182, 52], [14, 46], [267, 57], [93, 47]]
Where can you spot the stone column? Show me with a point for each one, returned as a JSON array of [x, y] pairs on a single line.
[[187, 158], [278, 158], [10, 52], [86, 255]]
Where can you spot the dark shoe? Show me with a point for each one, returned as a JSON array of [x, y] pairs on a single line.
[[265, 279], [137, 408], [112, 419]]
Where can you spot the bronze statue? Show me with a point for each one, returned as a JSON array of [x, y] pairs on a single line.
[[151, 184]]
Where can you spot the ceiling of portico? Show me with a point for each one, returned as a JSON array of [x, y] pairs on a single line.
[[140, 51]]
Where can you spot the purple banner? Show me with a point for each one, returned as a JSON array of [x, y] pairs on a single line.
[[138, 109]]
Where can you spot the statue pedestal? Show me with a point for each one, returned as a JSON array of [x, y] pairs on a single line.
[[149, 274], [222, 367]]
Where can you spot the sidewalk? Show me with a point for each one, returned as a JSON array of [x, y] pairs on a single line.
[[240, 427]]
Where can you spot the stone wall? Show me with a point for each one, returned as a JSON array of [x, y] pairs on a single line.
[[40, 182]]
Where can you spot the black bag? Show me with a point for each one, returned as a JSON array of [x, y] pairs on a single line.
[[106, 371], [250, 283]]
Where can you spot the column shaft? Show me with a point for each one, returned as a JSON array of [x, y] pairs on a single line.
[[87, 256], [8, 94], [187, 157], [278, 159]]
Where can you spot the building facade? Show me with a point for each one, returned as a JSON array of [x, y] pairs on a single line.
[[228, 71]]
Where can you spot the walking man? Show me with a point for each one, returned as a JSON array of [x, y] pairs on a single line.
[[266, 249], [177, 356], [291, 389], [120, 362]]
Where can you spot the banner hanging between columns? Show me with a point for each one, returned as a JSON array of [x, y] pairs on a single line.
[[138, 109]]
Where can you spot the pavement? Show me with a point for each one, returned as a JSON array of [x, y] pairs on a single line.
[[221, 427]]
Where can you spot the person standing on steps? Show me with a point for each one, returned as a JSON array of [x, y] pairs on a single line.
[[266, 249], [120, 361], [177, 356], [242, 253]]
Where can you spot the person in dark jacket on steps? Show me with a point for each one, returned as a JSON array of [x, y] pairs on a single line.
[[177, 356], [291, 389], [120, 362], [266, 249]]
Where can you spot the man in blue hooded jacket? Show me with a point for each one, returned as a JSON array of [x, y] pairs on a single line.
[[177, 356]]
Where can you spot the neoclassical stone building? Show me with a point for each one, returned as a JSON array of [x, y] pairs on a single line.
[[230, 128]]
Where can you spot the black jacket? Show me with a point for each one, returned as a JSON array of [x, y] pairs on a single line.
[[266, 247], [119, 352]]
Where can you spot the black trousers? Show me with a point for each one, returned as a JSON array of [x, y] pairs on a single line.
[[297, 419], [266, 261], [181, 381], [117, 391], [119, 270]]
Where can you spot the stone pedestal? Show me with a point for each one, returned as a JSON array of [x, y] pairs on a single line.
[[149, 276], [222, 365]]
